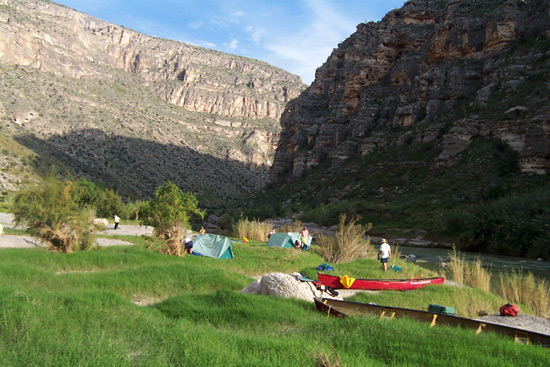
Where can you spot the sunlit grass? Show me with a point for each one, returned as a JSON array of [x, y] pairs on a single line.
[[82, 309]]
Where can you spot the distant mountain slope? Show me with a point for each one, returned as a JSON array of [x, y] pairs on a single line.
[[94, 98]]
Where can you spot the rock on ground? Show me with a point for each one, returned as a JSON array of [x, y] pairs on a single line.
[[286, 286]]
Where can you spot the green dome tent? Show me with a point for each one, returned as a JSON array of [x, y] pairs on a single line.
[[285, 240], [213, 245]]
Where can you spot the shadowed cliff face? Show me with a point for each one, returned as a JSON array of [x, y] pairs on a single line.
[[440, 72], [135, 167]]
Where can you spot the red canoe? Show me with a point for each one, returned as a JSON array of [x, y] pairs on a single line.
[[380, 284]]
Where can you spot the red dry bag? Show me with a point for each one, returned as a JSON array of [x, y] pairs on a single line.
[[509, 310]]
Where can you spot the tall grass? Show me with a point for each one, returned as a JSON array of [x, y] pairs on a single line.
[[347, 243], [456, 266], [252, 229], [473, 275], [517, 287], [477, 276], [514, 286], [83, 309], [295, 226]]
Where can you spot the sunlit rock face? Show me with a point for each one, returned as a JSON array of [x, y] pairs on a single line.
[[56, 39], [398, 80], [95, 93]]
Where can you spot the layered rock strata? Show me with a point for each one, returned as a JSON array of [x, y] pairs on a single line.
[[440, 72], [59, 40]]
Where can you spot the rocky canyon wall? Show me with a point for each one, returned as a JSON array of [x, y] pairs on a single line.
[[440, 72], [56, 39]]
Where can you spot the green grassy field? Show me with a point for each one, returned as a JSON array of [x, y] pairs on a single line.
[[125, 306]]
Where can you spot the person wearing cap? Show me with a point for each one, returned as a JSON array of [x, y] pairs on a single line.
[[384, 253], [187, 245]]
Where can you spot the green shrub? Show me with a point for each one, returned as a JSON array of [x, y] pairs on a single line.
[[516, 225], [169, 213], [51, 213], [106, 201]]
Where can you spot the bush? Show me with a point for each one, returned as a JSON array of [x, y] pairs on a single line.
[[329, 213], [295, 226], [515, 225], [106, 201], [169, 212], [347, 244], [52, 214]]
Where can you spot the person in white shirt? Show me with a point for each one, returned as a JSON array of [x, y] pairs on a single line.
[[384, 253], [117, 221]]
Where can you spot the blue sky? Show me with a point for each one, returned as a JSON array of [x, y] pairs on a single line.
[[295, 35]]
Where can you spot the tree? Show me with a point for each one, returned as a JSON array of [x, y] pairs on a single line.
[[169, 212], [52, 214], [105, 201]]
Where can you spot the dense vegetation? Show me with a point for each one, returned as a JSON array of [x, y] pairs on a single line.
[[63, 212], [481, 200], [124, 306]]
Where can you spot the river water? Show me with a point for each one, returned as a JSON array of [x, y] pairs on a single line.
[[432, 258]]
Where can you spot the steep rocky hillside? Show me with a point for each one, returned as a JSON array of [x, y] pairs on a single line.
[[440, 72], [433, 122], [130, 110]]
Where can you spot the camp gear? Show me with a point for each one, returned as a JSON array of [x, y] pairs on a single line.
[[396, 268], [509, 310], [347, 281], [346, 308], [442, 309], [380, 284], [325, 267], [213, 245], [285, 240]]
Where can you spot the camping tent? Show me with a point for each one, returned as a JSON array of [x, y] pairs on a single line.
[[213, 245], [285, 240]]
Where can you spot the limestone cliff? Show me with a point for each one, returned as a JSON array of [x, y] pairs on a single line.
[[441, 72], [56, 39], [132, 111]]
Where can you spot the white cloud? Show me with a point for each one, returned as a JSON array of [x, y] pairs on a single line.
[[218, 23], [196, 24], [256, 34], [302, 52], [232, 46]]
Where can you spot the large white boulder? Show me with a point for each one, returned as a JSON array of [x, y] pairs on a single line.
[[286, 286]]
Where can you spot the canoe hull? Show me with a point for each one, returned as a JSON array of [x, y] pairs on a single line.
[[340, 308], [380, 284]]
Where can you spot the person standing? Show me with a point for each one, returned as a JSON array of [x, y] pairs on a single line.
[[384, 253], [304, 238], [117, 221]]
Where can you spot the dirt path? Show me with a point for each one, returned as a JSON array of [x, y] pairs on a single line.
[[25, 241]]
